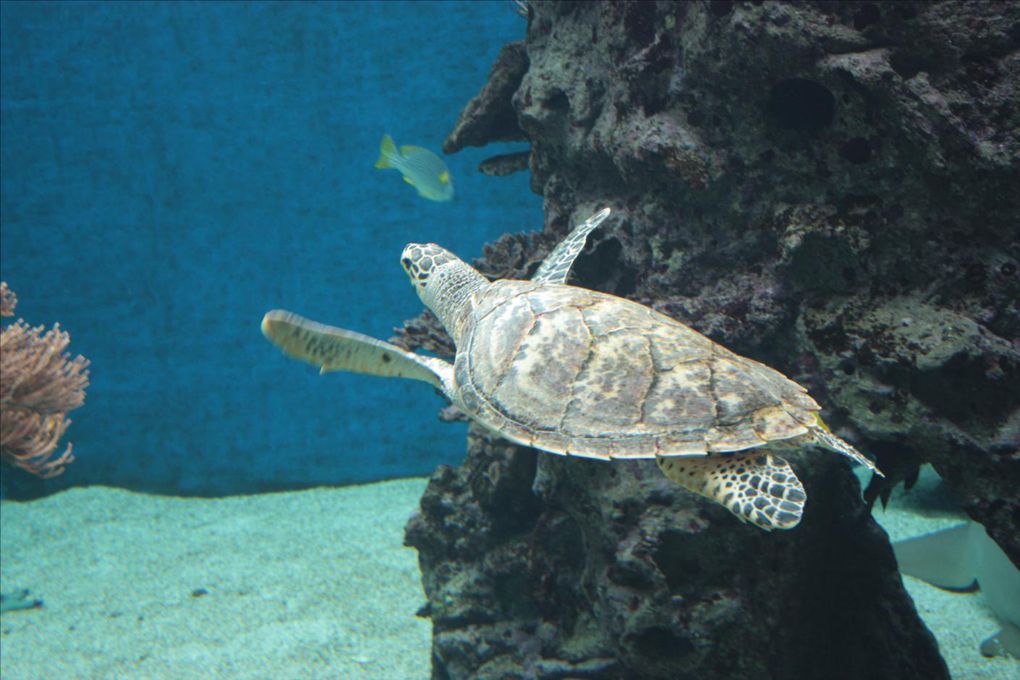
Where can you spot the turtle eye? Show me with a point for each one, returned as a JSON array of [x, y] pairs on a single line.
[[406, 262]]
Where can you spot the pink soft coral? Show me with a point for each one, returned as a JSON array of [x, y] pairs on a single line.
[[39, 384]]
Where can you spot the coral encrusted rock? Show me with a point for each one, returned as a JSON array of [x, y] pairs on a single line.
[[825, 187]]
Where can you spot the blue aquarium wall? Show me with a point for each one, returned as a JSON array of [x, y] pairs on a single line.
[[172, 171]]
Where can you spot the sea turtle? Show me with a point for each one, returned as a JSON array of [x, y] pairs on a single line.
[[573, 371]]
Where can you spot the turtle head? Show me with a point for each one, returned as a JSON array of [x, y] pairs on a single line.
[[443, 281], [423, 260]]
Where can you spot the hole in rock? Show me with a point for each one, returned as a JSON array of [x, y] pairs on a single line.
[[557, 102], [801, 104], [720, 8], [657, 642], [856, 150], [867, 15]]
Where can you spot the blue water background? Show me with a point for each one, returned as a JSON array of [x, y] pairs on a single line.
[[172, 171]]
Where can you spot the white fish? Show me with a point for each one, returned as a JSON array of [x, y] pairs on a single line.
[[955, 558]]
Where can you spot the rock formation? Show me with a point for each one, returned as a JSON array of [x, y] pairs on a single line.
[[826, 187]]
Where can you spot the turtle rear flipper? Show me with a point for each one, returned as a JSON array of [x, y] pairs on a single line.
[[756, 487], [824, 438], [338, 349]]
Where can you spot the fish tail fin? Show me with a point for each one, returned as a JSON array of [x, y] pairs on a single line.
[[387, 150]]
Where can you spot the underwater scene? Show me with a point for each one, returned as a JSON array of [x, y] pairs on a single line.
[[510, 339]]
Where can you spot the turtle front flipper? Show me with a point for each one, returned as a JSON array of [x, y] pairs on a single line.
[[756, 487], [338, 349], [556, 266]]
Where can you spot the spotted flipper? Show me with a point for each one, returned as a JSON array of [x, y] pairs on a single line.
[[338, 349], [756, 487], [556, 266]]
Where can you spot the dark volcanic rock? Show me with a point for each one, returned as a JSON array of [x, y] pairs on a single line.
[[827, 187], [541, 567], [489, 117], [505, 164]]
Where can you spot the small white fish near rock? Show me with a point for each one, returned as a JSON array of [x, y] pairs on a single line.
[[421, 168]]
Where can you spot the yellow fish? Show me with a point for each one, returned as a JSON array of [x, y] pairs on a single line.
[[421, 168]]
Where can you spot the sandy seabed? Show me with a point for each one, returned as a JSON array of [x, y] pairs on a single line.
[[302, 585], [309, 584]]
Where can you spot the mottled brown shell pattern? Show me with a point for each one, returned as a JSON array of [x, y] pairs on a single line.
[[574, 371]]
